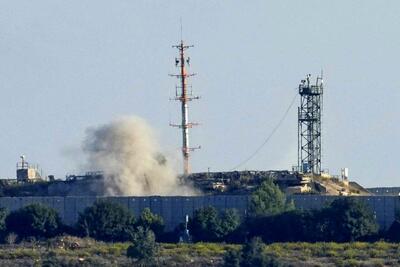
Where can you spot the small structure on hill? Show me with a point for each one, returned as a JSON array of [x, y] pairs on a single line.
[[27, 172]]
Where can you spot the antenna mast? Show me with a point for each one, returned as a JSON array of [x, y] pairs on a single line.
[[184, 97]]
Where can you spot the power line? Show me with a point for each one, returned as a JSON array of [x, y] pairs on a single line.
[[268, 137]]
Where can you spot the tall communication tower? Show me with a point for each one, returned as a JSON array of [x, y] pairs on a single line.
[[184, 96], [309, 125]]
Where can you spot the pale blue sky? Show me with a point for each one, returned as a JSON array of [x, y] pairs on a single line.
[[67, 65]]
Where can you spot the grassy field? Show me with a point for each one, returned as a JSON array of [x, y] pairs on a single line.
[[337, 254], [71, 251]]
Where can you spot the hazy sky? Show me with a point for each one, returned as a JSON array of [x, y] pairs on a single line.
[[68, 65]]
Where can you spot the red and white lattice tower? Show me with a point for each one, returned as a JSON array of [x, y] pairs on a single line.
[[183, 95]]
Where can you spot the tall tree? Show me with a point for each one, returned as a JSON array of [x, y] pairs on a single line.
[[268, 199], [144, 247], [35, 220], [149, 220], [209, 225], [346, 219], [107, 221]]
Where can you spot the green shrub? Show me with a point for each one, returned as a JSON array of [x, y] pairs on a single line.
[[360, 245], [3, 215], [376, 253], [107, 221], [350, 254], [151, 221], [229, 221], [346, 219], [3, 228], [290, 226], [331, 253], [267, 200], [204, 224], [35, 220], [207, 225], [253, 255], [232, 258], [144, 246], [382, 246]]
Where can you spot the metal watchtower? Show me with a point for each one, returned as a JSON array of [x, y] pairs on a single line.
[[309, 125]]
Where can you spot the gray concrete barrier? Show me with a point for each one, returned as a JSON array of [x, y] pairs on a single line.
[[174, 208]]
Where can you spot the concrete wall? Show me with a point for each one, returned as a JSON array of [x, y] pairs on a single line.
[[385, 191], [174, 209]]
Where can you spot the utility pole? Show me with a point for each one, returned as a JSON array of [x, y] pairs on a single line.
[[184, 96]]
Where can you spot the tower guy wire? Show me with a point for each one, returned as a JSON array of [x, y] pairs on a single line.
[[266, 140]]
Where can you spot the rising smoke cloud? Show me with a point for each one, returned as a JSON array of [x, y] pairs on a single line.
[[128, 154]]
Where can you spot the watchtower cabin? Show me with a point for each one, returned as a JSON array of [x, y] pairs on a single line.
[[27, 172]]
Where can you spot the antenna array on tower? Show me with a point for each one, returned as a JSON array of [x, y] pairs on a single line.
[[182, 95]]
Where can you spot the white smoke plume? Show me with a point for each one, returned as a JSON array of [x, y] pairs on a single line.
[[128, 154]]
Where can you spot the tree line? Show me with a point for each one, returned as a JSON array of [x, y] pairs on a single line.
[[273, 219], [270, 218]]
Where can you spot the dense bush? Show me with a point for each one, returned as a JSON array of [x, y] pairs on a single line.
[[232, 258], [35, 220], [107, 221], [252, 254], [393, 234], [267, 200], [149, 220], [229, 223], [144, 246], [208, 225], [204, 224], [344, 220], [3, 215], [273, 219], [3, 229], [289, 226]]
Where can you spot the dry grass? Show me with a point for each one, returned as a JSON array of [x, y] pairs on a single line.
[[72, 251]]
